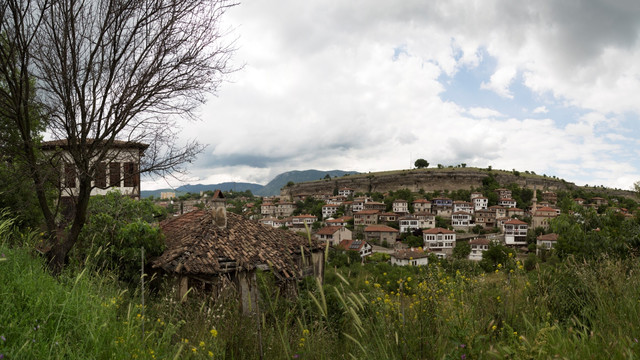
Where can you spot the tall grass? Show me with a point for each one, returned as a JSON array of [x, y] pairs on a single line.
[[372, 311]]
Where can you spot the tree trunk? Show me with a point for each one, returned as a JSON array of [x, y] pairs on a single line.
[[64, 241]]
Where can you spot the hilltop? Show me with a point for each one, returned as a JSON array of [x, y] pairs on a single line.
[[435, 179]]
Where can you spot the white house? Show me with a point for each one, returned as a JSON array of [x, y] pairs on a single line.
[[346, 192], [546, 242], [408, 223], [478, 247], [400, 206], [301, 220], [329, 210], [421, 205], [515, 232], [463, 206], [120, 169], [507, 202], [480, 203], [333, 234], [362, 247], [440, 241], [461, 220], [410, 257]]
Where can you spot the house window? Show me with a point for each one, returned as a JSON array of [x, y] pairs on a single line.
[[130, 174], [69, 176], [114, 174], [101, 175]]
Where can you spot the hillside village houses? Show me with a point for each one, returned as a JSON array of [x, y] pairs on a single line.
[[381, 224]]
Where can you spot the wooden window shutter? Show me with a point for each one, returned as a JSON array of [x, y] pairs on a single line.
[[114, 174]]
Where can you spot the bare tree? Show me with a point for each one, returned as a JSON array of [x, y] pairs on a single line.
[[98, 72]]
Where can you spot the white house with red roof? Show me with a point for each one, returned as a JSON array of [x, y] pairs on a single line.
[[336, 200], [463, 206], [346, 192], [410, 257], [333, 234], [329, 210], [366, 217], [408, 223], [301, 220], [400, 206], [478, 247], [421, 205], [507, 202], [361, 246], [341, 221], [426, 220], [546, 242], [440, 241], [461, 220], [515, 232]]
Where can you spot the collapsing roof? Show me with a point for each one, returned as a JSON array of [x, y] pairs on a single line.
[[198, 245]]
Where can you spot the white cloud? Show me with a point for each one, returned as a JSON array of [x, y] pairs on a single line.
[[480, 112], [540, 110], [323, 87]]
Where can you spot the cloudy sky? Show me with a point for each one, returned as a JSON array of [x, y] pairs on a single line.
[[547, 86]]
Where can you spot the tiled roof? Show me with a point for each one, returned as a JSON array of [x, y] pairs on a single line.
[[479, 242], [379, 228], [116, 144], [548, 237], [367, 212], [410, 254], [438, 230], [516, 222], [196, 245], [328, 230]]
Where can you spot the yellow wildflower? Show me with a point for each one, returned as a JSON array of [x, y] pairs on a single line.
[[214, 332]]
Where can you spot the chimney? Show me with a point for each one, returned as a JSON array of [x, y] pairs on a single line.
[[219, 209]]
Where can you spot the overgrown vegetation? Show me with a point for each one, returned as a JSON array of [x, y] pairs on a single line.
[[450, 310]]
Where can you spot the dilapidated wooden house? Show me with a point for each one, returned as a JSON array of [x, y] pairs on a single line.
[[213, 250]]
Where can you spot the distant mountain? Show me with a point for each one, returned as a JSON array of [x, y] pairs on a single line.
[[271, 189], [297, 176], [226, 186]]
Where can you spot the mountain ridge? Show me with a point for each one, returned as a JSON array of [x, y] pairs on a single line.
[[272, 188]]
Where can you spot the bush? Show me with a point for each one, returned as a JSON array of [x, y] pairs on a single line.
[[116, 230]]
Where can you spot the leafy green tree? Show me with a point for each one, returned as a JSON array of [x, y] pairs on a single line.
[[414, 241], [116, 230], [421, 163], [497, 254], [462, 250]]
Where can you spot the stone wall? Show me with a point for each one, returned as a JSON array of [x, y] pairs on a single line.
[[426, 179]]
